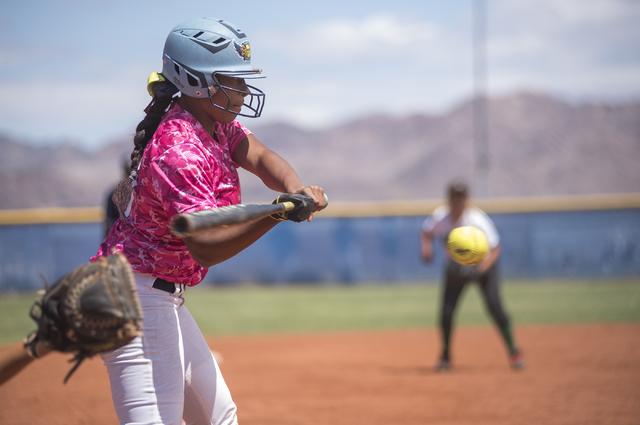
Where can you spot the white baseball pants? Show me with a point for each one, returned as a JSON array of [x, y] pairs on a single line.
[[169, 373]]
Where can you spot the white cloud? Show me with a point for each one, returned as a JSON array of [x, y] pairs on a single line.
[[90, 113], [574, 12], [331, 71], [572, 47], [334, 70], [370, 38], [325, 71], [384, 63]]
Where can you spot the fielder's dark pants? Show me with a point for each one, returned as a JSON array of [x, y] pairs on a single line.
[[456, 278]]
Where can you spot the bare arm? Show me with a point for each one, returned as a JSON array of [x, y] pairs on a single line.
[[211, 248], [214, 247], [15, 357], [489, 260], [426, 243], [275, 172]]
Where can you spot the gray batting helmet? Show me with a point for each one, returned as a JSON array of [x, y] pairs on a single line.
[[199, 49]]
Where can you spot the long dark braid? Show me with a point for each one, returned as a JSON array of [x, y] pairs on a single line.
[[163, 96]]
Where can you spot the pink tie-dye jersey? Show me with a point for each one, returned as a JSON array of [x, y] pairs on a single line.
[[182, 170]]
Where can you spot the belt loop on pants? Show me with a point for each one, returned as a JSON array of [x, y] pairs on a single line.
[[172, 288]]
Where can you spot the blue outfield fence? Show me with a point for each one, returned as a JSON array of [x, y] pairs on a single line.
[[352, 249], [387, 249]]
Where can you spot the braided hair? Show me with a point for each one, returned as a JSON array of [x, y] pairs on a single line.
[[163, 94]]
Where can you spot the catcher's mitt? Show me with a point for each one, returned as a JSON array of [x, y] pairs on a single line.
[[92, 309]]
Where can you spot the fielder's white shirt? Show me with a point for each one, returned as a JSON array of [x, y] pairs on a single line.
[[440, 224]]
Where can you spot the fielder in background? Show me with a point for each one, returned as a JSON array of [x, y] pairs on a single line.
[[111, 211], [187, 151], [456, 276]]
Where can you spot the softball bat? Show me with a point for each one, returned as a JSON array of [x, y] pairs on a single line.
[[190, 224]]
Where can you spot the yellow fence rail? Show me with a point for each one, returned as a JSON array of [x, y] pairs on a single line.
[[51, 215], [491, 206], [365, 209]]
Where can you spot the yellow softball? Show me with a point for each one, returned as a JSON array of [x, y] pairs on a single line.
[[467, 245]]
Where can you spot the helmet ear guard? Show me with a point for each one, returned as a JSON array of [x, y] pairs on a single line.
[[189, 81], [159, 89]]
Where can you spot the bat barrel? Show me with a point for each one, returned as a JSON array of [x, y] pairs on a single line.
[[192, 223], [182, 225]]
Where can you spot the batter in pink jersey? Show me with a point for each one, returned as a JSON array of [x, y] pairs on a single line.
[[185, 158], [183, 169]]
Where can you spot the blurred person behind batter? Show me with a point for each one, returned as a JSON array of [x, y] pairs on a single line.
[[456, 213], [111, 210]]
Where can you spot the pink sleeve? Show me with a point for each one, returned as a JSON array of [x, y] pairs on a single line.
[[235, 132]]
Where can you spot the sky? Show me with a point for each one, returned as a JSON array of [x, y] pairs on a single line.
[[76, 70]]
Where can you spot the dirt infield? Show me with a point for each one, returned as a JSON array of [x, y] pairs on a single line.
[[579, 374]]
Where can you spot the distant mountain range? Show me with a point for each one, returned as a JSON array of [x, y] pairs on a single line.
[[538, 146]]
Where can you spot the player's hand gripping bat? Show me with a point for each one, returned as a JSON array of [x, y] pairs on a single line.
[[299, 207]]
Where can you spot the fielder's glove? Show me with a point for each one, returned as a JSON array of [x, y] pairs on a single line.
[[303, 207], [92, 309]]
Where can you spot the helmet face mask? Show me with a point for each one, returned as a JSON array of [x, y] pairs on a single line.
[[198, 50], [255, 97]]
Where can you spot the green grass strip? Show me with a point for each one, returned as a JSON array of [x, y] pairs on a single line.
[[329, 308]]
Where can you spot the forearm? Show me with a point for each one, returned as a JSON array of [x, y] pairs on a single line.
[[15, 357], [277, 174], [12, 360], [216, 246], [274, 171], [426, 243], [490, 259]]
